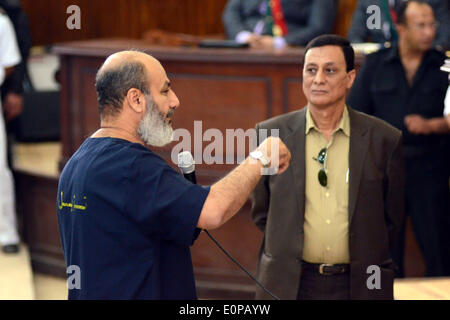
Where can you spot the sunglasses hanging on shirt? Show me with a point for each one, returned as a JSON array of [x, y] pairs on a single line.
[[322, 175]]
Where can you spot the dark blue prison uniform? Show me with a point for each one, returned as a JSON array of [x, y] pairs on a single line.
[[127, 219]]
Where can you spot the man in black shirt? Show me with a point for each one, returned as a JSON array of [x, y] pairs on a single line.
[[404, 86], [359, 32]]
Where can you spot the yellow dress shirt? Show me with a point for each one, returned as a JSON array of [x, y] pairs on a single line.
[[326, 208]]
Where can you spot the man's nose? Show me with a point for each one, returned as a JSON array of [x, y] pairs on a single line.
[[174, 102], [319, 77], [430, 32]]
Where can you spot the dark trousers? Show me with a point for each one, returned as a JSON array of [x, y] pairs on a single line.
[[315, 286], [427, 205]]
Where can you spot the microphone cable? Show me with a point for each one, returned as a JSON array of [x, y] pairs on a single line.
[[240, 266], [186, 164]]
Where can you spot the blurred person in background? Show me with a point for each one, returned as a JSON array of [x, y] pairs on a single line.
[[277, 23], [12, 89], [446, 68], [9, 58], [404, 86], [359, 31]]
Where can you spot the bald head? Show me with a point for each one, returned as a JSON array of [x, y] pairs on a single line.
[[119, 58], [121, 72]]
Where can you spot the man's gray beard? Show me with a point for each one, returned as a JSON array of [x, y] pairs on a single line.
[[153, 129]]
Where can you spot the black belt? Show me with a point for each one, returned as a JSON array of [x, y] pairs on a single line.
[[326, 269]]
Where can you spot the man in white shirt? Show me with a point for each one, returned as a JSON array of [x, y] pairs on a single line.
[[446, 67], [9, 57], [447, 106], [447, 100]]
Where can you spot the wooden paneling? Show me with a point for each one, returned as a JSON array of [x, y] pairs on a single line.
[[36, 206], [131, 18], [239, 99], [120, 18], [294, 97]]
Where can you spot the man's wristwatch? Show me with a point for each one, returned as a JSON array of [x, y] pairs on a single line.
[[258, 155]]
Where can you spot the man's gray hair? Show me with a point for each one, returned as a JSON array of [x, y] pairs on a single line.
[[112, 85]]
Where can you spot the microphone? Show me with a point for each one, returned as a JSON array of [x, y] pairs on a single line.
[[186, 164]]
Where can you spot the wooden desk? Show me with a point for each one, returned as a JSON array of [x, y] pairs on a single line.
[[422, 289]]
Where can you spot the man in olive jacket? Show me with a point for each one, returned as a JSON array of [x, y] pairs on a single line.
[[331, 219]]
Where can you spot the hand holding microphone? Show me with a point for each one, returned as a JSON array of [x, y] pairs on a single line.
[[273, 153], [186, 164], [229, 194]]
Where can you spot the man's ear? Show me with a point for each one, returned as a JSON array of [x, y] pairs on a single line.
[[351, 75], [400, 28], [136, 100]]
